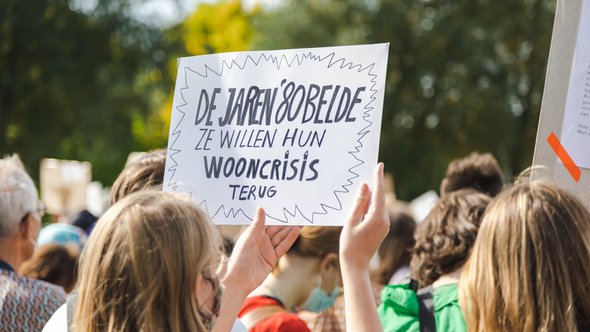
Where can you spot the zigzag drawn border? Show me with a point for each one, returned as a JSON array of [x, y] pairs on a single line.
[[279, 61]]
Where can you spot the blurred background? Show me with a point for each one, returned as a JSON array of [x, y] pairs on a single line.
[[92, 80]]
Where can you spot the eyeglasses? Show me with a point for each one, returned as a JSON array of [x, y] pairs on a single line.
[[41, 210]]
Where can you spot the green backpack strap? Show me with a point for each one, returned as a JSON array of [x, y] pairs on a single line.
[[426, 307]]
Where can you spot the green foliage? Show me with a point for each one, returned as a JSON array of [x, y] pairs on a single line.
[[462, 75], [70, 83], [212, 28]]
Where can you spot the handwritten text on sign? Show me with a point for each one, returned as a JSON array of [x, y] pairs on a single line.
[[294, 131]]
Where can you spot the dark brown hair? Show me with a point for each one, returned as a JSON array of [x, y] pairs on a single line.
[[54, 263], [395, 250], [476, 171], [145, 173], [444, 239]]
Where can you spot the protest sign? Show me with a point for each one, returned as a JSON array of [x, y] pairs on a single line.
[[64, 184], [294, 131], [563, 137]]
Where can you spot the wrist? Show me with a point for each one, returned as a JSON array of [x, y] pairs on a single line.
[[353, 263], [238, 291]]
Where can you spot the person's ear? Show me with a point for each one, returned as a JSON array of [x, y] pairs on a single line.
[[199, 290], [330, 269], [26, 226], [330, 261]]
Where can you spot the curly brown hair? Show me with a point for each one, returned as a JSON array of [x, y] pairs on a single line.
[[477, 171], [445, 238]]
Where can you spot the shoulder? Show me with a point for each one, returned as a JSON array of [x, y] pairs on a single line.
[[48, 294], [446, 296], [59, 321], [447, 310], [36, 291], [40, 298], [283, 322], [399, 309], [254, 302], [275, 321], [399, 296]]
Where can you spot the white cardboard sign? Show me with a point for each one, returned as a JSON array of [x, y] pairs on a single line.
[[575, 132], [294, 131], [564, 110]]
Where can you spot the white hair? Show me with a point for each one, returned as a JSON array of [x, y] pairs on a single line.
[[18, 195]]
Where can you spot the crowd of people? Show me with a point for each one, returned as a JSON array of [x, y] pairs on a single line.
[[489, 256]]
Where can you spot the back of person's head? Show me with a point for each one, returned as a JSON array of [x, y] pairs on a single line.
[[530, 266], [64, 234], [144, 173], [318, 242], [54, 263], [445, 238], [140, 266], [476, 171], [395, 250], [85, 220], [18, 195]]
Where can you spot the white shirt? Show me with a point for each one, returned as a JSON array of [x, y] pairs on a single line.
[[59, 322]]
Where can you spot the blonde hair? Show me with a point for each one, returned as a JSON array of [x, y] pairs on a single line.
[[140, 265], [530, 266]]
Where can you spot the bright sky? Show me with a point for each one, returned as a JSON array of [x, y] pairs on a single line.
[[165, 12], [168, 12]]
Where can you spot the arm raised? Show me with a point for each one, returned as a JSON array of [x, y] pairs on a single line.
[[361, 236]]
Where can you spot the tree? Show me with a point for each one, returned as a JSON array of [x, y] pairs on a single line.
[[71, 82], [211, 28], [462, 75]]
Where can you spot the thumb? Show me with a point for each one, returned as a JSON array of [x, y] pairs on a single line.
[[361, 205], [259, 219]]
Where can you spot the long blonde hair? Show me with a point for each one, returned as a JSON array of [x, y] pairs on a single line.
[[140, 265], [530, 266]]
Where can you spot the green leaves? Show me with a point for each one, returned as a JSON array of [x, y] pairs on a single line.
[[462, 75]]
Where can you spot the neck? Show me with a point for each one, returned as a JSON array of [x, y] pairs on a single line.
[[9, 255], [449, 278], [283, 288]]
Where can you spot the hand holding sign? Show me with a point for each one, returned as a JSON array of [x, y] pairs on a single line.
[[257, 251], [291, 130], [364, 231], [367, 225]]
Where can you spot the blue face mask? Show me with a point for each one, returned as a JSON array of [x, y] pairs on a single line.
[[319, 300]]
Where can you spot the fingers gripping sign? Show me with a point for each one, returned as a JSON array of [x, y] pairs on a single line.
[[257, 251], [255, 254], [363, 232], [367, 225]]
